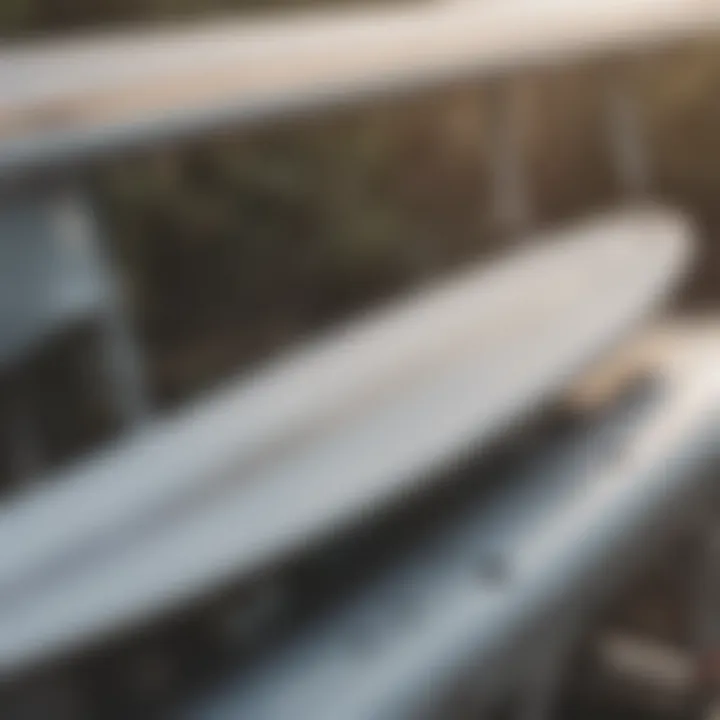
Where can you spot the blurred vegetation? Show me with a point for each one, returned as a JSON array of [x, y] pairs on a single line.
[[242, 243]]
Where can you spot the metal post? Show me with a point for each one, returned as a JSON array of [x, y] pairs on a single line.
[[541, 690], [511, 200], [706, 621], [626, 135], [121, 358], [55, 275]]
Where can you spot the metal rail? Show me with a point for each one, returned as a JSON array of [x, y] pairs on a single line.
[[67, 101], [558, 540]]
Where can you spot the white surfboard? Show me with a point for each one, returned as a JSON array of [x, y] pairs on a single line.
[[67, 99], [281, 459]]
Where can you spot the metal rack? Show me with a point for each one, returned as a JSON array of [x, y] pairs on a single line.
[[246, 479]]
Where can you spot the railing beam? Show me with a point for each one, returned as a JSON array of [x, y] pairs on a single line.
[[65, 102]]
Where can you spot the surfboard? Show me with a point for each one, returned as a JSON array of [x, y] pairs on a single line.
[[319, 439], [67, 100]]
